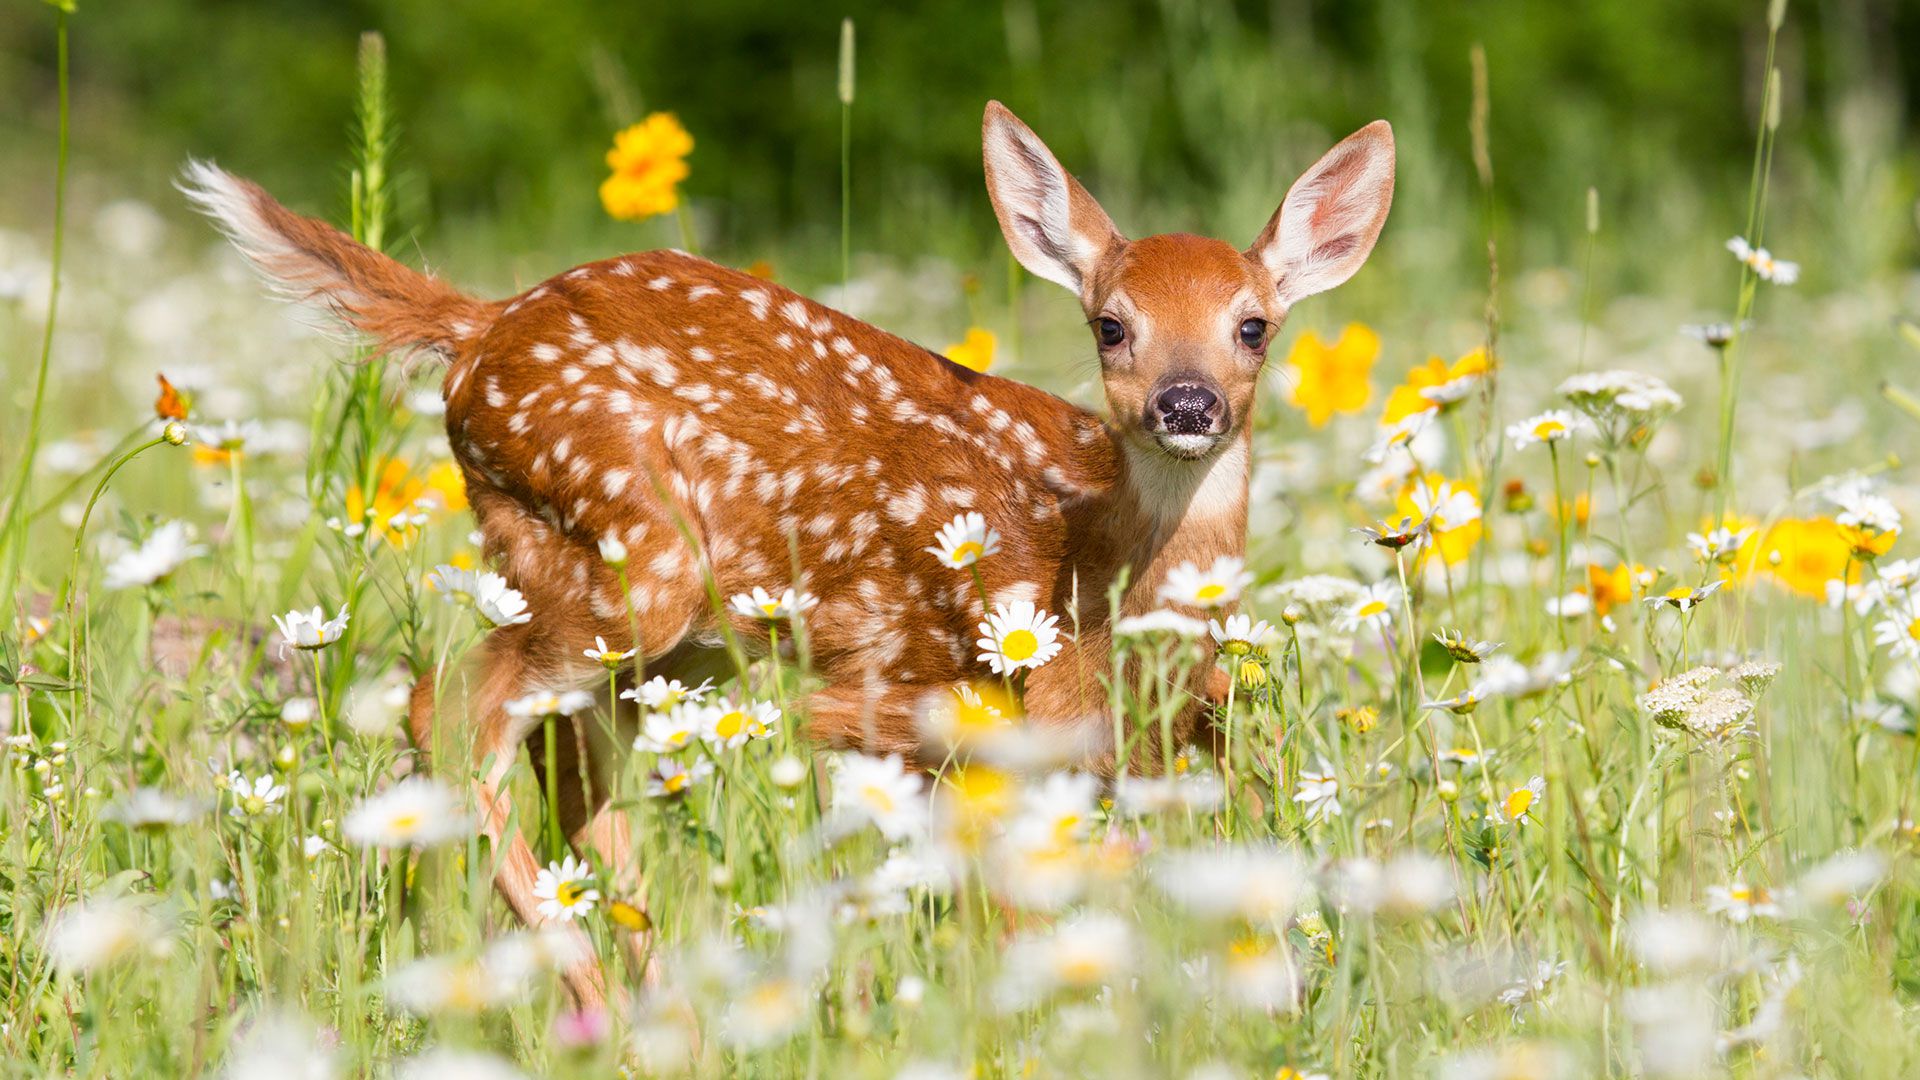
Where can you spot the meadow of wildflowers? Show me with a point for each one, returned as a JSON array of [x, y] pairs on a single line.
[[1574, 671]]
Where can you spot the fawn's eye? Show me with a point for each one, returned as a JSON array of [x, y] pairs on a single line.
[[1253, 333], [1110, 331]]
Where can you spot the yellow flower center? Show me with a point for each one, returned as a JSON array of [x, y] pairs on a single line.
[[676, 783], [771, 609], [730, 724], [1371, 608], [968, 550], [1548, 429], [1518, 802], [404, 823], [1680, 592], [568, 893], [877, 798], [1019, 645], [1913, 629], [1209, 592]]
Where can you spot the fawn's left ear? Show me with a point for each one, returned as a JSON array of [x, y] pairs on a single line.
[[1332, 215]]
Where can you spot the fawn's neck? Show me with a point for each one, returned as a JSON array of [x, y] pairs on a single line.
[[1172, 511]]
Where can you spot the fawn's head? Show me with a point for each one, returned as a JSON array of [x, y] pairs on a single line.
[[1183, 322]]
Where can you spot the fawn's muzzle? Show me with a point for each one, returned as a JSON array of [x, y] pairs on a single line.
[[1189, 407]]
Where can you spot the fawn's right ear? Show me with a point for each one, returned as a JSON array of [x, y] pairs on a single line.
[[1054, 227]]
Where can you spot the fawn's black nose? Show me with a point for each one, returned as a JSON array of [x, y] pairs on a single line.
[[1189, 408]]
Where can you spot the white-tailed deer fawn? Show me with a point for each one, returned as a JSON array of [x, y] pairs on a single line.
[[657, 398]]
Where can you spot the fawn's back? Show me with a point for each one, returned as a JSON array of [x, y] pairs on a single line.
[[698, 413]]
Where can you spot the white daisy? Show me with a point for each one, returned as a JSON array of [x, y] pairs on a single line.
[[1319, 792], [1240, 634], [769, 607], [1777, 271], [661, 693], [672, 730], [311, 629], [485, 592], [880, 792], [1521, 803], [1717, 545], [1018, 636], [1217, 586], [1159, 621], [1740, 902], [964, 541], [416, 812], [1899, 631], [258, 797], [1444, 507], [157, 557], [544, 703], [153, 810], [1372, 609], [1552, 426], [669, 777], [605, 657], [731, 723], [565, 890]]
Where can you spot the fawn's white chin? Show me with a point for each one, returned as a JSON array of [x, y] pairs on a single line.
[[1188, 446]]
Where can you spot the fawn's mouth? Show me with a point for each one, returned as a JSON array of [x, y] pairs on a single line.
[[1188, 447]]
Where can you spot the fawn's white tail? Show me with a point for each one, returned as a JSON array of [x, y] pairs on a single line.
[[309, 261]]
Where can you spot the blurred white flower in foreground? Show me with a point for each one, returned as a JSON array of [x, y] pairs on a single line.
[[416, 812], [105, 930], [157, 557]]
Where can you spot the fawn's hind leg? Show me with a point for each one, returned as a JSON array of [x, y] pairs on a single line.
[[505, 675], [587, 812]]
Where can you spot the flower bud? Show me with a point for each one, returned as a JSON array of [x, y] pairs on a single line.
[[613, 552], [175, 433]]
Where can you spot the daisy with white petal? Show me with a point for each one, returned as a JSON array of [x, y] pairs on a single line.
[[1372, 609], [1684, 597], [1719, 545], [662, 694], [1217, 586], [1762, 262], [731, 723], [1740, 902], [1319, 792], [565, 890], [611, 659], [1240, 634], [416, 812], [259, 797], [544, 703], [157, 557], [487, 593], [1160, 622], [1520, 805], [102, 931], [674, 729], [153, 810], [770, 607], [878, 792], [670, 778], [1899, 631], [1444, 507], [1552, 426], [1061, 806], [309, 630], [964, 541], [1017, 637]]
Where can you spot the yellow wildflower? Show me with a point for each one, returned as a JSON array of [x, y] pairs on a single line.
[[975, 352], [1337, 378], [1435, 384], [648, 162]]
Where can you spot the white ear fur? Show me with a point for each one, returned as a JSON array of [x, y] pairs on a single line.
[[1056, 230], [1332, 215]]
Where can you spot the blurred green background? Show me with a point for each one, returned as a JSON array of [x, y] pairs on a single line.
[[1179, 114]]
